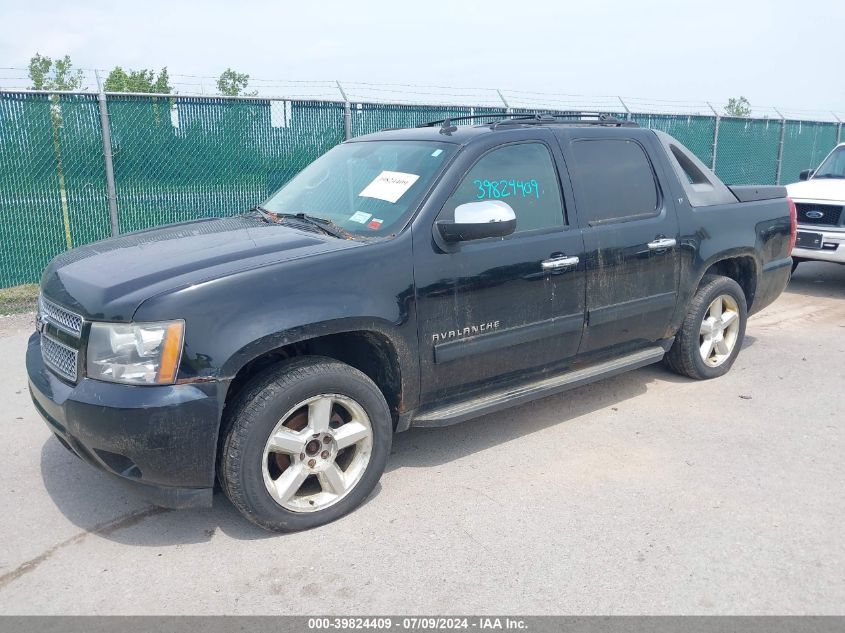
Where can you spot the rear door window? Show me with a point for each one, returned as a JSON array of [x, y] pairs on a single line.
[[615, 180]]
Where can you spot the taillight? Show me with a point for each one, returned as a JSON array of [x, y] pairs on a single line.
[[793, 223]]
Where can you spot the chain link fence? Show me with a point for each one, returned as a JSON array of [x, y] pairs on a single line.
[[178, 158]]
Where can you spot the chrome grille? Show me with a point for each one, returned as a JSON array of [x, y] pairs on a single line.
[[58, 357], [58, 316]]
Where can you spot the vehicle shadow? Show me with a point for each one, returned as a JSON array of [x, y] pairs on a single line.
[[425, 448], [818, 279], [105, 507], [82, 493]]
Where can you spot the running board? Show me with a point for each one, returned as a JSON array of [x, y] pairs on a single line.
[[512, 396]]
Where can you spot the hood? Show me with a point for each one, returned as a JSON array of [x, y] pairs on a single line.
[[818, 189], [108, 280]]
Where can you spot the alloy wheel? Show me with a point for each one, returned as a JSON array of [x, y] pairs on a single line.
[[719, 330], [317, 453]]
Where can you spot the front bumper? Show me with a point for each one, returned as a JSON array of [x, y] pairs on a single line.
[[160, 440], [835, 237]]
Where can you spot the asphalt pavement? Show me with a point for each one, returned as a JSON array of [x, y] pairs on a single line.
[[647, 493]]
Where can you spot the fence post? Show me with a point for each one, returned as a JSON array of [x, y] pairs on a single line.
[[780, 146], [347, 113], [108, 158], [715, 138], [838, 128], [507, 105], [627, 111]]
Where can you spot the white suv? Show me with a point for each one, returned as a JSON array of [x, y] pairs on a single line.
[[820, 201]]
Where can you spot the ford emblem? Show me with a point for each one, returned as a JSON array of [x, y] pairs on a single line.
[[814, 215]]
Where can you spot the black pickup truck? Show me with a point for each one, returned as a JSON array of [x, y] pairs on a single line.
[[413, 277]]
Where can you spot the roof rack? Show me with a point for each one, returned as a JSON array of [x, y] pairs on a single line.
[[574, 118], [538, 118], [446, 124]]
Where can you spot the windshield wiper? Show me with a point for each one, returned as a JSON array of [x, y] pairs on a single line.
[[264, 213], [327, 226]]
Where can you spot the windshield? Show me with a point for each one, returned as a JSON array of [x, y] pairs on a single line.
[[833, 166], [368, 188]]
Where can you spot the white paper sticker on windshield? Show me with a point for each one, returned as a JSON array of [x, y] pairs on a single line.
[[389, 185], [360, 217]]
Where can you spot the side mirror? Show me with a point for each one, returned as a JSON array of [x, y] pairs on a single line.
[[806, 174], [477, 220]]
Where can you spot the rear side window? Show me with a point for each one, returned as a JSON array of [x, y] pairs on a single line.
[[690, 170], [615, 179], [522, 175]]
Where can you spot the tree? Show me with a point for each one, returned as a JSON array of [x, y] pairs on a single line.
[[49, 74], [738, 106], [162, 82], [142, 80], [232, 83]]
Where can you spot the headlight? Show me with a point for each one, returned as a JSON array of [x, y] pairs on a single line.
[[135, 353]]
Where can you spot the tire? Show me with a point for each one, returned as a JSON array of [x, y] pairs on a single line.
[[795, 262], [326, 473], [686, 356]]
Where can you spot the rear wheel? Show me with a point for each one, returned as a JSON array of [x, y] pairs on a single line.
[[711, 336], [304, 444]]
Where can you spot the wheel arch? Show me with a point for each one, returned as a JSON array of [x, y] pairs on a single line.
[[373, 348], [742, 265], [743, 268]]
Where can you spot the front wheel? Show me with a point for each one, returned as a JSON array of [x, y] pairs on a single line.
[[711, 336], [304, 444]]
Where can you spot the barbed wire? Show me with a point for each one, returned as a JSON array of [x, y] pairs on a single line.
[[17, 78]]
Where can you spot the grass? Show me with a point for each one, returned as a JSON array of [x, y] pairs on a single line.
[[18, 299]]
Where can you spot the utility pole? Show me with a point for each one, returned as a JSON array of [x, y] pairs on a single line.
[[108, 157], [507, 105], [715, 138], [780, 147], [627, 111], [347, 113]]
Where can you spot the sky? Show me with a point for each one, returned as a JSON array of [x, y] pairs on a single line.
[[776, 53]]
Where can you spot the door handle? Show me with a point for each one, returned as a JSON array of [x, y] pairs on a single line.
[[559, 262], [662, 243]]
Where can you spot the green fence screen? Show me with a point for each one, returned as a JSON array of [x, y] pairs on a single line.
[[805, 144], [52, 183], [178, 158]]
